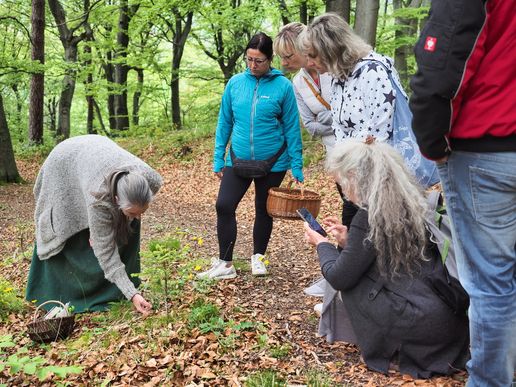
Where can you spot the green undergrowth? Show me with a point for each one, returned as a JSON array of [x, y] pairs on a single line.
[[11, 299]]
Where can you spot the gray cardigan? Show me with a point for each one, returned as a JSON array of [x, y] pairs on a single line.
[[74, 170]]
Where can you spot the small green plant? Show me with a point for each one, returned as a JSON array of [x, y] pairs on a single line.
[[280, 351], [266, 378], [206, 317], [161, 261], [262, 340], [21, 363], [318, 378], [10, 299]]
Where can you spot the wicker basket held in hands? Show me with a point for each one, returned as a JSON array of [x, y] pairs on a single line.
[[283, 202], [47, 330]]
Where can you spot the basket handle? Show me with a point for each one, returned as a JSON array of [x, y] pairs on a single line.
[[44, 303], [289, 187]]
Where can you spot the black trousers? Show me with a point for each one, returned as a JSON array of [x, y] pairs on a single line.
[[232, 190]]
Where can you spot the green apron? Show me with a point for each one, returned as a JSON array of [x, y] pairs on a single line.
[[75, 276]]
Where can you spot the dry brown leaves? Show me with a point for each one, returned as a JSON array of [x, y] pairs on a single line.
[[172, 354]]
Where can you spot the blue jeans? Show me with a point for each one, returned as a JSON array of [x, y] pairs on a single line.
[[480, 192]]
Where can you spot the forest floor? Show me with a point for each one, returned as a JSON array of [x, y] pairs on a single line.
[[264, 330]]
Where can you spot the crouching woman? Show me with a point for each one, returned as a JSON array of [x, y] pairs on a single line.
[[386, 256], [90, 195]]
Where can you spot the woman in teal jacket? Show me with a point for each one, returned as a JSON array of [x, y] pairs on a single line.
[[258, 115]]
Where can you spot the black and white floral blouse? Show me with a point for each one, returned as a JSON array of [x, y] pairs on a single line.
[[363, 104]]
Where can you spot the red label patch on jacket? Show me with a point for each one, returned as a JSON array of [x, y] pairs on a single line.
[[430, 43]]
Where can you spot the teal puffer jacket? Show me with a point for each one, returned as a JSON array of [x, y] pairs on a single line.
[[258, 115]]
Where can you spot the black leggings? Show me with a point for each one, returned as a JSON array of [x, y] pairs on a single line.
[[232, 190]]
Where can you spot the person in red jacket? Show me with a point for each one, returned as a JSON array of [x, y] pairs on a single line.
[[464, 107]]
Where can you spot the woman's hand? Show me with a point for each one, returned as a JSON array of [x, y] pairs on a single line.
[[141, 304], [336, 229], [313, 237], [219, 174]]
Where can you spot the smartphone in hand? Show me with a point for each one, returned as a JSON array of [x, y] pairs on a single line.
[[308, 218]]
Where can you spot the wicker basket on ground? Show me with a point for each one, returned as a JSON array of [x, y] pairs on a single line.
[[283, 202], [48, 330]]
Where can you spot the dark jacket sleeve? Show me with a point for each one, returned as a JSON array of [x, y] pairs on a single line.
[[343, 271], [442, 51]]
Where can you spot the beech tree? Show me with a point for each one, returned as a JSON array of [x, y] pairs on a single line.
[[37, 84], [70, 41], [366, 20], [224, 29], [340, 7], [8, 170]]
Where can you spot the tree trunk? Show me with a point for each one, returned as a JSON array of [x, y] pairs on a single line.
[[121, 68], [366, 20], [136, 97], [110, 78], [340, 7], [52, 113], [180, 35], [283, 11], [88, 82], [99, 116], [424, 3], [70, 43], [303, 12], [65, 101], [8, 170], [404, 27], [37, 82]]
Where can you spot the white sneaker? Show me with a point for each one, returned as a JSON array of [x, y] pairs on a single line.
[[318, 309], [317, 288], [218, 270], [258, 265]]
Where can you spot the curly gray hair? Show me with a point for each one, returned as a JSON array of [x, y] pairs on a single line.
[[338, 47], [395, 202]]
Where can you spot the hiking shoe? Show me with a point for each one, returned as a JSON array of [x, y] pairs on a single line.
[[318, 309], [218, 270], [317, 288], [258, 265]]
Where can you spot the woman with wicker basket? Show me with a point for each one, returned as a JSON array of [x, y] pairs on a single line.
[[313, 92], [259, 117], [90, 194], [382, 270]]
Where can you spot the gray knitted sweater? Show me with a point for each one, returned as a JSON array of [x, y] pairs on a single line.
[[74, 170]]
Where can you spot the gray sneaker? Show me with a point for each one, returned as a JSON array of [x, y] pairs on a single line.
[[317, 288], [219, 270]]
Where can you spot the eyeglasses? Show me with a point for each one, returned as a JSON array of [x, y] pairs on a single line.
[[287, 57], [255, 60]]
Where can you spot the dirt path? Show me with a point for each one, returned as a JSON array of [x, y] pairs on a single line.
[[187, 202]]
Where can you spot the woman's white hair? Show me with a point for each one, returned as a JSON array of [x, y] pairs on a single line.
[[286, 42], [122, 190], [396, 206], [133, 190], [338, 47]]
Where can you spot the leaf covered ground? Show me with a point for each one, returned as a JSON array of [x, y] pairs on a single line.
[[242, 332]]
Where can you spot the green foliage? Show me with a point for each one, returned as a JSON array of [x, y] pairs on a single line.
[[11, 300], [20, 363], [266, 378], [317, 378], [280, 351], [163, 270], [206, 317]]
